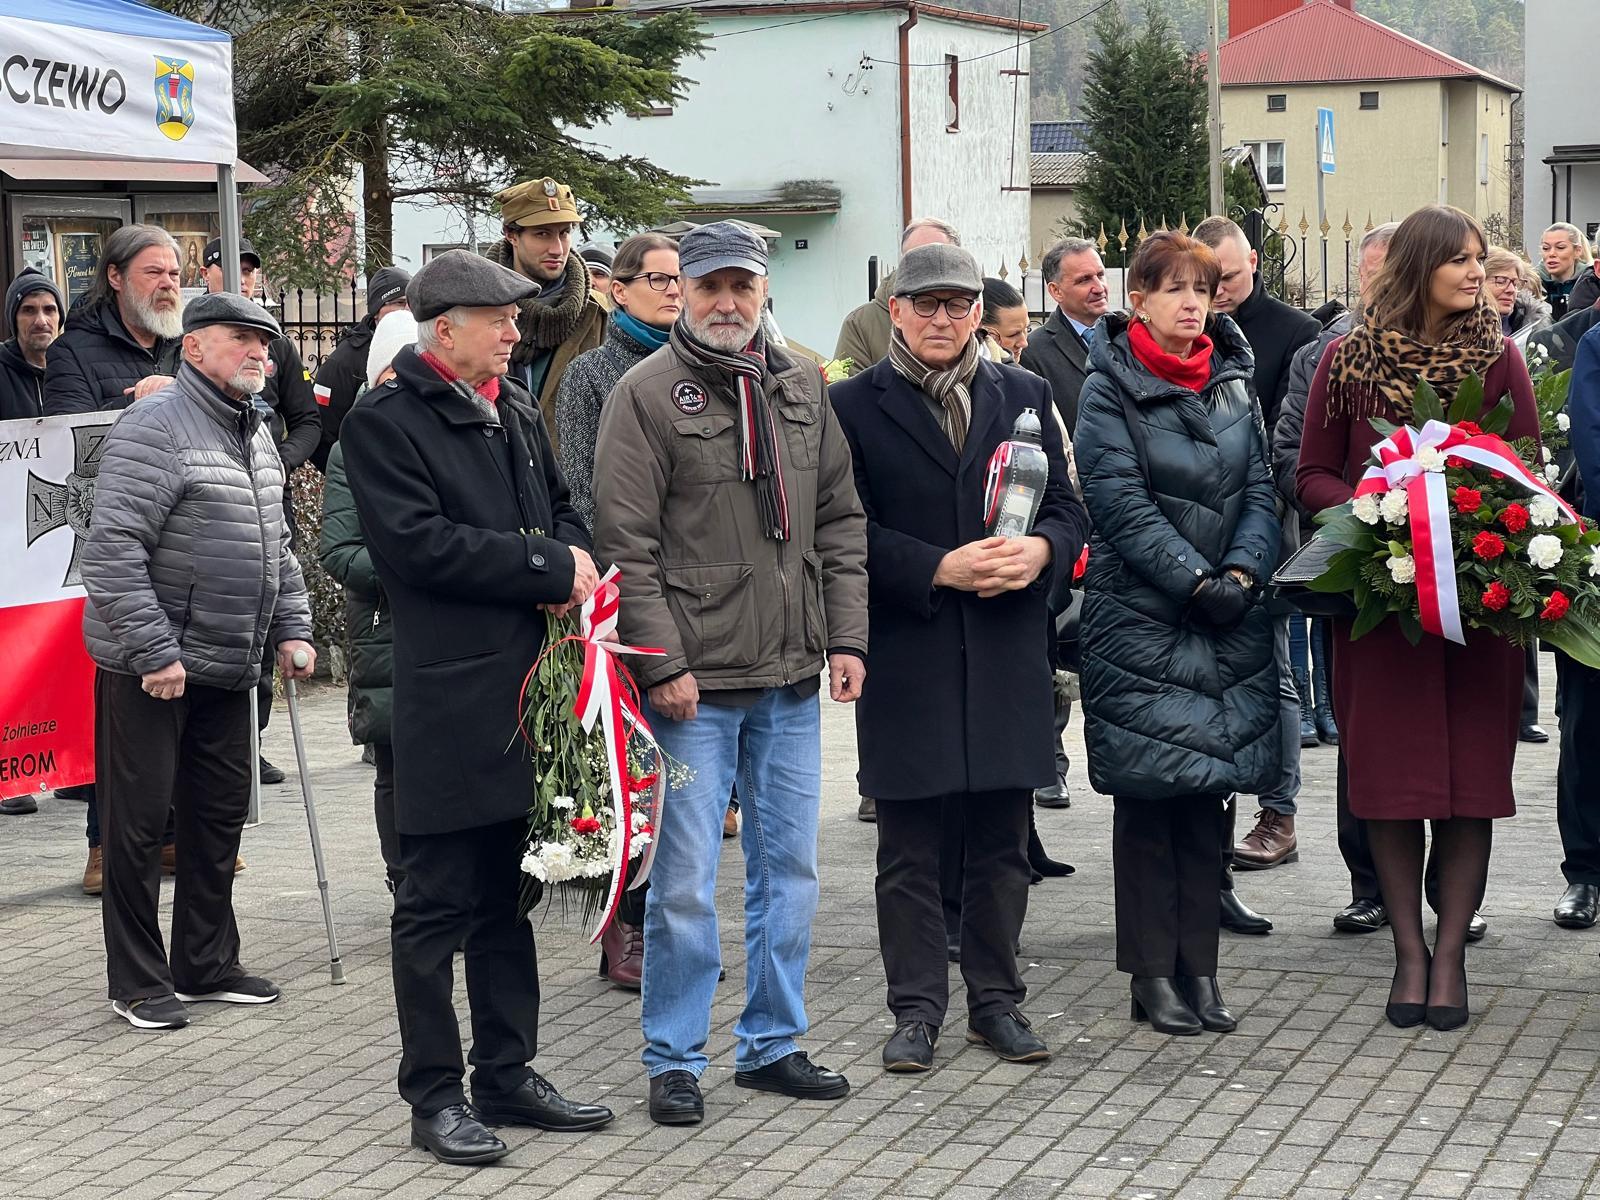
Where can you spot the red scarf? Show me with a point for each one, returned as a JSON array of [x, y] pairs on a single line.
[[489, 389], [1193, 372]]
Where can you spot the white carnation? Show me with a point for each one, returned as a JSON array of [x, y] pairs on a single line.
[[1430, 458], [1393, 507], [1545, 551], [1365, 509], [1552, 473], [1543, 512], [1540, 352], [1594, 561], [1402, 569], [1563, 422], [563, 802], [1547, 454]]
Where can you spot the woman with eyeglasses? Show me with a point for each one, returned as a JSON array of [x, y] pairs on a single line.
[[1522, 312]]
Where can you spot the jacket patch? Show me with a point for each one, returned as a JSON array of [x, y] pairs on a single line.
[[689, 396]]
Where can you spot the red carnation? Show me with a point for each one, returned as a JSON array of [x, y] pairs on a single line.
[[1556, 607], [585, 824], [1459, 464], [1470, 428], [1468, 499], [1496, 596], [1488, 545], [1515, 518]]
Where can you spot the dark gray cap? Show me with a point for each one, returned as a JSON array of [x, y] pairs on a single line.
[[937, 268], [213, 253], [598, 254], [720, 245], [462, 278], [228, 308]]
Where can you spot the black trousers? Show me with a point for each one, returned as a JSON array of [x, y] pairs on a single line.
[[1353, 845], [1578, 776], [1530, 686], [383, 811], [264, 694], [1163, 858], [187, 757], [460, 890], [994, 900], [1063, 719]]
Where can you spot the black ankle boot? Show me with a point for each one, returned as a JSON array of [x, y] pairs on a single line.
[[1205, 998], [1159, 1002], [1322, 706], [1041, 863]]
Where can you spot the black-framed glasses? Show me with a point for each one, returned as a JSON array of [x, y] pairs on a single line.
[[659, 281], [955, 307]]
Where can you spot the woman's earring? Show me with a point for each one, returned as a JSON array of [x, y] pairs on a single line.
[[1145, 317]]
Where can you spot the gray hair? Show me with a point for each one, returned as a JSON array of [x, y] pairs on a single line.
[[121, 248], [1050, 268], [1378, 235], [1213, 231], [943, 227], [428, 331]]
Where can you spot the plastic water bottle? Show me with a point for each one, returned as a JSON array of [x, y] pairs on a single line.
[[1015, 485]]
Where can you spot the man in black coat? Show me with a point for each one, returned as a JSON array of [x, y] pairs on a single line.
[[1276, 332], [466, 517], [33, 315], [959, 710], [343, 373]]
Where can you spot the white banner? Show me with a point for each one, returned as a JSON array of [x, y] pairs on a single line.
[[161, 92]]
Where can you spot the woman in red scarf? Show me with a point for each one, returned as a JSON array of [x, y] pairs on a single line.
[[1180, 688]]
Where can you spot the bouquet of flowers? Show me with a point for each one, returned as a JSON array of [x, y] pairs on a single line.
[[836, 369], [600, 778], [1452, 527]]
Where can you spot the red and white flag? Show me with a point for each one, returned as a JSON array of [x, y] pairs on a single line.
[[47, 477]]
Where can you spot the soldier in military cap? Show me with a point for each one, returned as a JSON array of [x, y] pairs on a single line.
[[466, 518], [564, 317]]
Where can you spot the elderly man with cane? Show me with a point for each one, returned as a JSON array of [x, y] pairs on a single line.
[[190, 581]]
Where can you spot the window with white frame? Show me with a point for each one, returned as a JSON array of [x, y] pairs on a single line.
[[1269, 157]]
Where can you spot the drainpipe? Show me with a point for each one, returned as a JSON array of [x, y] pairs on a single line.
[[905, 114]]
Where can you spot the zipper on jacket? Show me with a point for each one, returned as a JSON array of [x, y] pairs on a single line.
[[261, 524], [783, 576], [377, 614]]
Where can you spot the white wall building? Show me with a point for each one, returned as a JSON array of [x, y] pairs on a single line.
[[1561, 140], [794, 119]]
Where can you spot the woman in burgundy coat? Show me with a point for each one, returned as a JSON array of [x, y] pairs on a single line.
[[1428, 731]]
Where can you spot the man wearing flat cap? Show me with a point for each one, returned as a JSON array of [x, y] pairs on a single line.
[[959, 716], [723, 493], [191, 584], [466, 518], [561, 317]]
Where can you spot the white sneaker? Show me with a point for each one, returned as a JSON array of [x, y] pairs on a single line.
[[158, 1012], [246, 989]]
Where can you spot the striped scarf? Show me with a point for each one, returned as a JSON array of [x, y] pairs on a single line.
[[744, 370], [949, 387]]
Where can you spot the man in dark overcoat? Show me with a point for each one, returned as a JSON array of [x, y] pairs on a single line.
[[959, 710], [467, 521]]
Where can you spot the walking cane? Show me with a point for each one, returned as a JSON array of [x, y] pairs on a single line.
[[337, 967]]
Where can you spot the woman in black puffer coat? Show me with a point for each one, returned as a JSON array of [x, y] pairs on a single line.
[[1180, 689]]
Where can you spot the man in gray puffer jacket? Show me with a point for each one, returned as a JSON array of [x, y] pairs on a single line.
[[189, 578]]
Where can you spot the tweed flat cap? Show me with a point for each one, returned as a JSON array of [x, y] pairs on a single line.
[[720, 245], [538, 202], [228, 308], [937, 268], [460, 277]]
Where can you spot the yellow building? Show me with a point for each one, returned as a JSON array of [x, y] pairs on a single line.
[[1412, 125]]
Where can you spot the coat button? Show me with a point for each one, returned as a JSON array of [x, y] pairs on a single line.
[[537, 560], [488, 431], [1198, 571], [1183, 558]]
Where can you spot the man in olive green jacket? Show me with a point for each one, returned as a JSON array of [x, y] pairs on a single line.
[[864, 336], [725, 495]]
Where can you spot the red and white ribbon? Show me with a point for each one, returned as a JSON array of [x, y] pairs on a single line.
[[1403, 462]]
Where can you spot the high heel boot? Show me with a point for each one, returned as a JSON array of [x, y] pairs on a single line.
[[1159, 1002]]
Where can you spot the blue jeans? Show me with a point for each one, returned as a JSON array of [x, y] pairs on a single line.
[[772, 752]]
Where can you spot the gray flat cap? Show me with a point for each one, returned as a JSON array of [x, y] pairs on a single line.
[[228, 308], [598, 254], [460, 277], [937, 268], [718, 246]]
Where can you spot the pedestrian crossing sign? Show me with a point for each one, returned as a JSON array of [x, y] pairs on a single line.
[[1325, 140]]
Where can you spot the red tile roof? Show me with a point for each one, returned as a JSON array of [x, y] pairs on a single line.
[[1322, 42]]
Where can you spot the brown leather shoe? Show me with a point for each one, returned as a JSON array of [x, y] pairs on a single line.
[[92, 873], [1269, 844], [622, 954], [730, 823]]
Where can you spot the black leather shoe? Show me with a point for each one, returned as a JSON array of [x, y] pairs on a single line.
[[1237, 917], [536, 1103], [1532, 733], [1205, 1000], [1161, 1003], [270, 773], [675, 1099], [1361, 916], [1477, 928], [911, 1047], [454, 1135], [795, 1075], [1055, 796], [952, 948], [867, 810], [1008, 1035], [1578, 907], [19, 806]]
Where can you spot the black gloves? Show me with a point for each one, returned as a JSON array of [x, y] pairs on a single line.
[[1221, 601]]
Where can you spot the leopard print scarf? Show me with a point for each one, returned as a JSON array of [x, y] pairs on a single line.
[[1374, 371]]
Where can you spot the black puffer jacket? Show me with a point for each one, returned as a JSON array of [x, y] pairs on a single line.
[[1171, 706], [93, 364], [339, 381]]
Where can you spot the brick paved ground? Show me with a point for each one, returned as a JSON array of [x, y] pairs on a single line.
[[1315, 1097]]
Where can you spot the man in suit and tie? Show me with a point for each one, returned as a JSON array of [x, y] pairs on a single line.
[[1059, 349]]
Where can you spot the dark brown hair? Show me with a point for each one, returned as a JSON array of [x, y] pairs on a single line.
[[1425, 241], [629, 258], [1165, 256]]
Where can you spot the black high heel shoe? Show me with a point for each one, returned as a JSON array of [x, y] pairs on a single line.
[[1159, 1002], [1405, 1016], [1445, 1017], [1205, 998]]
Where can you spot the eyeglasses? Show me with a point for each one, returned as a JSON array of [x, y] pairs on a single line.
[[955, 307], [1501, 281], [659, 281]]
